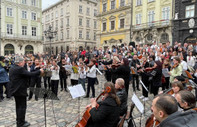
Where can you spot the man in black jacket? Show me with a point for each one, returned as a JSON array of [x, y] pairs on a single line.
[[18, 80]]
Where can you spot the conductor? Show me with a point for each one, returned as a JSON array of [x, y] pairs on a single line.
[[18, 83]]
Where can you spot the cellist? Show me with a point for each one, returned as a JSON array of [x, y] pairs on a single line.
[[106, 112]]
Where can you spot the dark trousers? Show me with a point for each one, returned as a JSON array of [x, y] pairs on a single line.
[[82, 82], [21, 106], [54, 86], [6, 85], [47, 79], [35, 82], [135, 78], [91, 82], [166, 84], [144, 91], [155, 90], [63, 83]]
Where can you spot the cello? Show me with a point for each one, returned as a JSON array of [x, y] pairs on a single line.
[[86, 116]]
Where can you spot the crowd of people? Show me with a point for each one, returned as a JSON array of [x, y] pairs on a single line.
[[155, 66]]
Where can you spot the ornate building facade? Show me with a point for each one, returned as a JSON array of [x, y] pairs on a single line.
[[114, 22], [21, 28], [185, 22], [75, 23], [152, 21]]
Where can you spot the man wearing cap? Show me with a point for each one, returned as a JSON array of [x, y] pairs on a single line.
[[18, 82], [4, 79]]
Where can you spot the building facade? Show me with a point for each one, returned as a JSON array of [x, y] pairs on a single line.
[[75, 23], [114, 22], [185, 22], [152, 21], [21, 28]]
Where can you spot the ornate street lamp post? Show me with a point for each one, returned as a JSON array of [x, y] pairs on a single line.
[[50, 34]]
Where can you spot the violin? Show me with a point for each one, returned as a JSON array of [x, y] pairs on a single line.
[[150, 69], [116, 65], [86, 116], [175, 66]]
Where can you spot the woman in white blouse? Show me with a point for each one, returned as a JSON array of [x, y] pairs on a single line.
[[190, 60], [55, 77]]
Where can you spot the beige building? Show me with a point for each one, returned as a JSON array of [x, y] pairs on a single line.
[[75, 23], [21, 28]]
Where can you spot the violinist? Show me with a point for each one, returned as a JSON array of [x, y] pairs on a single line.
[[107, 113], [176, 87], [186, 100], [176, 68], [166, 83], [35, 80], [114, 66]]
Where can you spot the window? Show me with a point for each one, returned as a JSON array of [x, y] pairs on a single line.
[[112, 25], [104, 26], [122, 3], [189, 11], [61, 23], [24, 1], [165, 15], [24, 30], [33, 2], [33, 29], [80, 9], [95, 24], [56, 27], [138, 2], [95, 12], [56, 14], [80, 21], [67, 35], [62, 12], [121, 23], [80, 34], [138, 19], [151, 0], [94, 36], [87, 35], [113, 4], [62, 35], [33, 16], [67, 21], [24, 14], [9, 29], [104, 7], [9, 11], [51, 16], [88, 11], [151, 17], [88, 23]]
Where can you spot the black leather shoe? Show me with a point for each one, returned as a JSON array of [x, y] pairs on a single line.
[[26, 124], [36, 99], [86, 97]]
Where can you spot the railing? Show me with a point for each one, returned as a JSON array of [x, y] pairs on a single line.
[[150, 25], [21, 37]]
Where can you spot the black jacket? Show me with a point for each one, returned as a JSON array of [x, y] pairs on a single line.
[[123, 72], [107, 114], [18, 80], [178, 119], [122, 94]]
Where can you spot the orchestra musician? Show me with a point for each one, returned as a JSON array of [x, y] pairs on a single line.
[[136, 64], [186, 100], [47, 77], [107, 113], [115, 64], [35, 80], [176, 69], [166, 83]]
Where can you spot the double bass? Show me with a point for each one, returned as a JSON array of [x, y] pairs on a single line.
[[86, 116]]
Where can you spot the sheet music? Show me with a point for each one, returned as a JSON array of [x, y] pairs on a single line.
[[76, 91], [165, 72], [137, 103]]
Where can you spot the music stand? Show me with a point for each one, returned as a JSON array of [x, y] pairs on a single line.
[[45, 94]]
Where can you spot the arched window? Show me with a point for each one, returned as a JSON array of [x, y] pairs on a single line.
[[29, 49], [8, 49], [164, 38]]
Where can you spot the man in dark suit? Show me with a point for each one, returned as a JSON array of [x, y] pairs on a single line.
[[18, 80]]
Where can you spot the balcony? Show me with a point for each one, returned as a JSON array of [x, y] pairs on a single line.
[[21, 37], [151, 25]]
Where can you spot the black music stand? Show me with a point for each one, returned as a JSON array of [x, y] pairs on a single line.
[[45, 94]]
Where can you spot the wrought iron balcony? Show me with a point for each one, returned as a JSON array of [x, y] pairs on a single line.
[[21, 37], [151, 25]]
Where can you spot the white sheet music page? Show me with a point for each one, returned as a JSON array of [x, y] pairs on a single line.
[[76, 91], [138, 103]]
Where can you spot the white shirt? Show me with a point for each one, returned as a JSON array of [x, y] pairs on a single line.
[[92, 72], [55, 73], [184, 65], [82, 74]]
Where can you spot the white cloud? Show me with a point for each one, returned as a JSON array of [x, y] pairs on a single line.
[[47, 3]]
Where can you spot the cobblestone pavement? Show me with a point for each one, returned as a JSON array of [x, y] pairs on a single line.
[[61, 113]]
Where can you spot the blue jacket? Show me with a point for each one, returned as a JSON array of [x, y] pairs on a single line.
[[3, 75]]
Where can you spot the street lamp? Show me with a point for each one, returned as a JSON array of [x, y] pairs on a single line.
[[50, 34]]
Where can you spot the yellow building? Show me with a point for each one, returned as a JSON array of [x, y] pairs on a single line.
[[114, 22], [152, 21]]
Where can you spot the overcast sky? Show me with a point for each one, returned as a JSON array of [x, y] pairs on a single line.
[[47, 3]]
